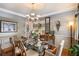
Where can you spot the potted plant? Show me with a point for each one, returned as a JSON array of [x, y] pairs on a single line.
[[74, 51]]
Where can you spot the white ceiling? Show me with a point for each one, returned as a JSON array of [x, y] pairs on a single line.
[[21, 9]]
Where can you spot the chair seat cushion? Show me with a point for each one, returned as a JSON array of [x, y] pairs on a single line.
[[17, 50]]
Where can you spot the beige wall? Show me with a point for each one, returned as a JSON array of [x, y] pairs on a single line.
[[20, 28], [63, 33]]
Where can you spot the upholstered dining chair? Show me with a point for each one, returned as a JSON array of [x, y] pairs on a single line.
[[60, 48], [13, 45], [58, 51], [19, 49], [0, 49], [23, 49]]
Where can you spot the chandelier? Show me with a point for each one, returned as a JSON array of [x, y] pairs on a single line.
[[33, 16]]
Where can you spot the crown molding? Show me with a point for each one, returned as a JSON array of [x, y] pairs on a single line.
[[45, 15], [59, 12], [11, 12]]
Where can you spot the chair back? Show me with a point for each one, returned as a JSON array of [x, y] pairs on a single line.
[[13, 45], [0, 49], [60, 48], [23, 48]]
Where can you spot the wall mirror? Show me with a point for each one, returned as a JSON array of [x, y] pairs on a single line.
[[8, 26]]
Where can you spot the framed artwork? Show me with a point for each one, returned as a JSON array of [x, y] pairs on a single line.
[[47, 24], [8, 26]]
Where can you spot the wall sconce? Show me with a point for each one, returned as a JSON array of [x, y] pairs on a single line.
[[71, 23], [58, 25], [71, 32]]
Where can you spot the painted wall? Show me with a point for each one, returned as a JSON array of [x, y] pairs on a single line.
[[19, 20], [64, 32], [4, 37]]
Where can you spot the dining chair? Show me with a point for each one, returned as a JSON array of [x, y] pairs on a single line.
[[23, 48], [18, 48], [0, 50], [58, 51], [60, 48]]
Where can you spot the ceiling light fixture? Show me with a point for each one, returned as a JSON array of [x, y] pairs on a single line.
[[33, 16]]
